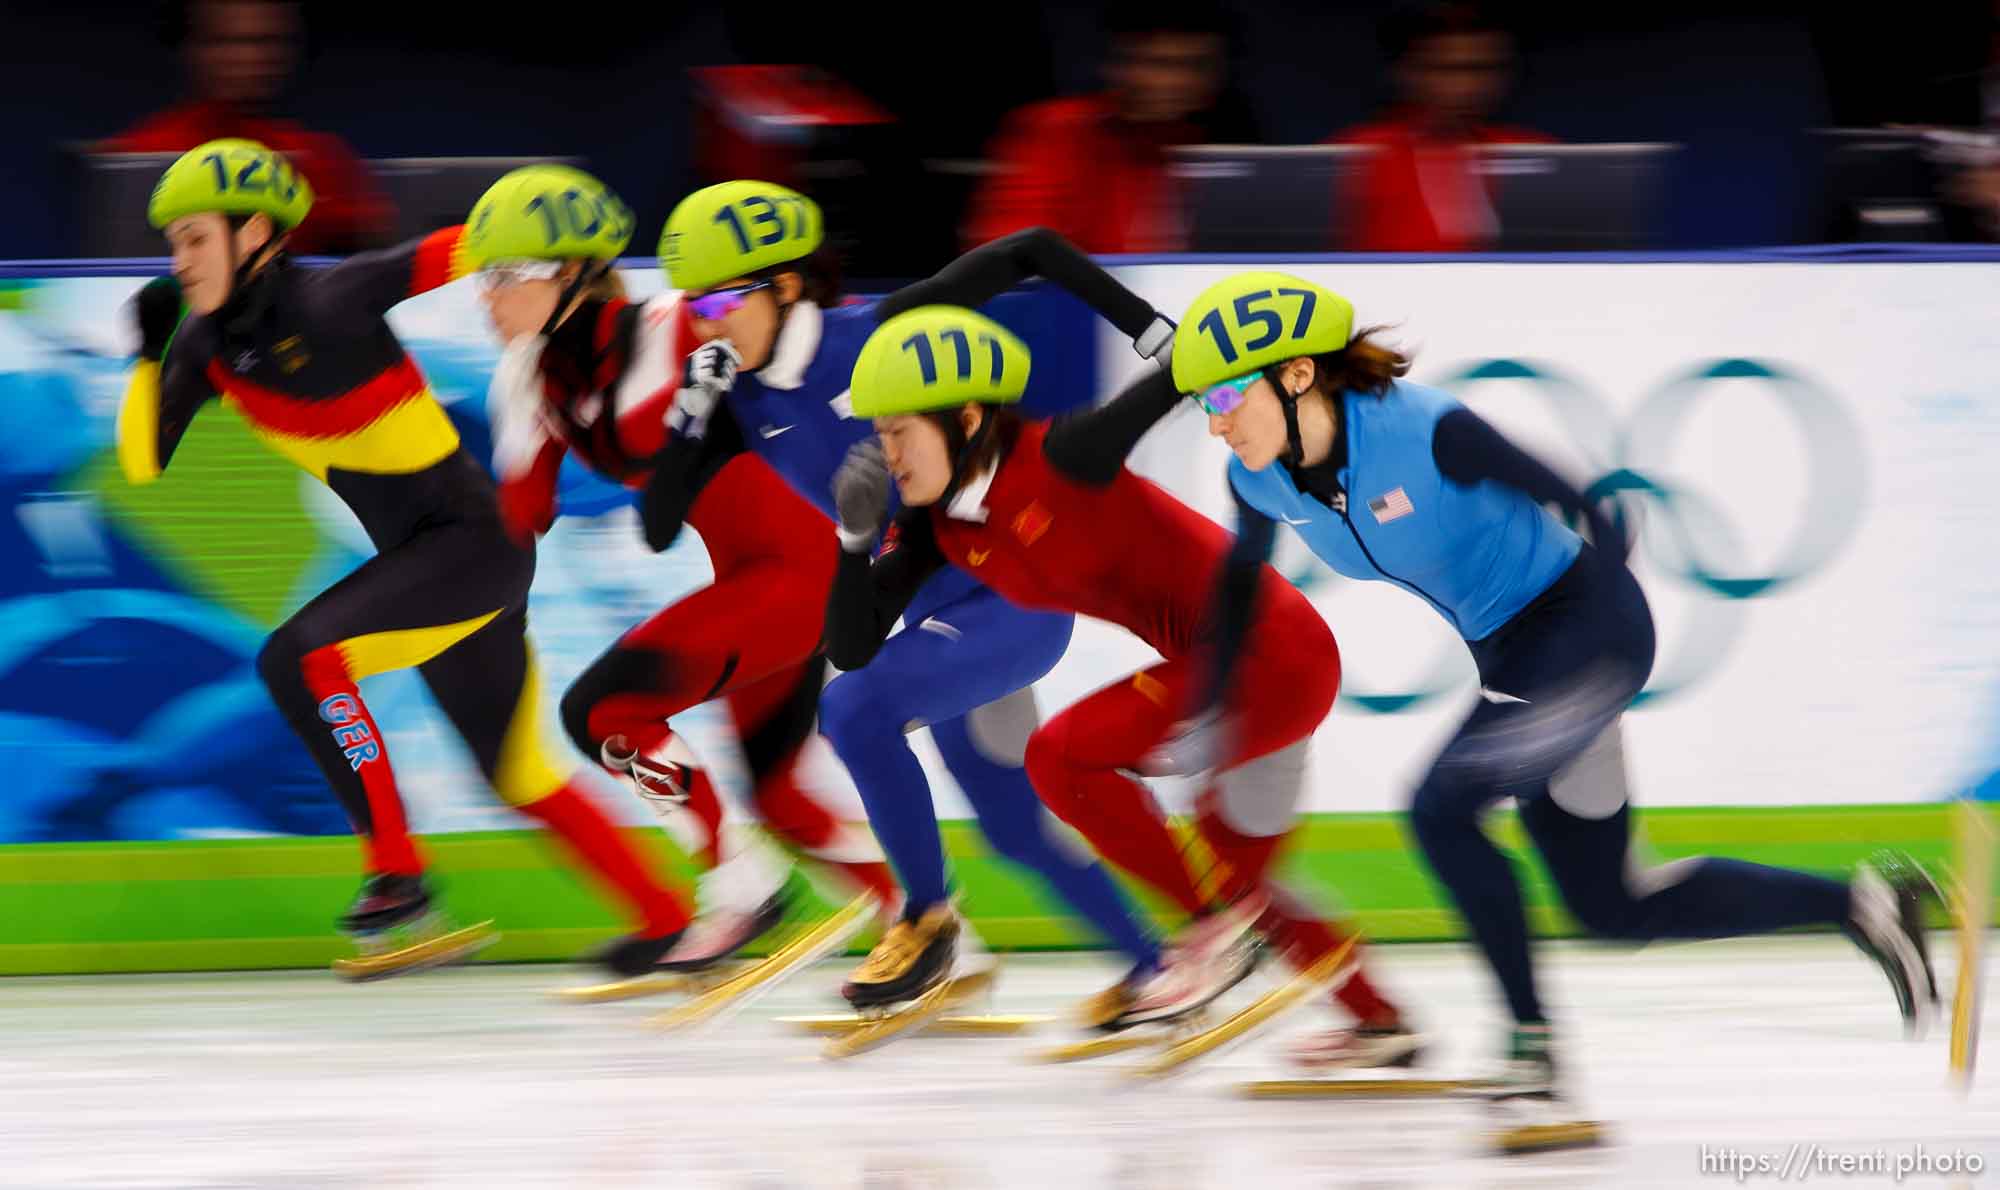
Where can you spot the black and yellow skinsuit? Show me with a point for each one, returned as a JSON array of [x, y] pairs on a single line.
[[307, 358]]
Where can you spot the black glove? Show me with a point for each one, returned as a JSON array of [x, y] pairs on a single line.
[[157, 310], [663, 507]]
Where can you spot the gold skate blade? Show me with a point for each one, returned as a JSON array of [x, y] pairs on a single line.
[[806, 947], [1542, 1138], [1361, 1088], [635, 988], [1970, 897], [916, 1016], [1257, 1013], [431, 952], [1139, 1038], [840, 1024]]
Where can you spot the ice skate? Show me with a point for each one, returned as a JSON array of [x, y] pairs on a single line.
[[1357, 1047], [1106, 1016], [396, 930], [1210, 955], [1889, 894], [741, 986], [1253, 1016], [920, 971], [1528, 1108]]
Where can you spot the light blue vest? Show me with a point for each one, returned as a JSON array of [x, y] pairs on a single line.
[[1477, 554]]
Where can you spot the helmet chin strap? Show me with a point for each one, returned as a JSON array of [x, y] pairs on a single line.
[[585, 277], [1289, 401], [237, 311]]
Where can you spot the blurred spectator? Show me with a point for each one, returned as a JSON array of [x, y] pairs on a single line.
[[1423, 192], [240, 56], [1095, 167]]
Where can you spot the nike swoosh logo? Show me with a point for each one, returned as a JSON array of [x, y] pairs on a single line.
[[1499, 696], [978, 557], [774, 431], [1290, 521]]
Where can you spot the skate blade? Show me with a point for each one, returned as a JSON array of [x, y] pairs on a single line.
[[658, 983], [914, 1017], [431, 952], [1103, 1047], [759, 977], [948, 1025], [635, 988], [1260, 1012], [1362, 1088], [1544, 1138], [1971, 903]]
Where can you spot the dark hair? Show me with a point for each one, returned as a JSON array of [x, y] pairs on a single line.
[[1003, 424], [1363, 366], [1416, 21], [820, 273]]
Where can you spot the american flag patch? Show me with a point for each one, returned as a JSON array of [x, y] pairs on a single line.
[[1391, 504]]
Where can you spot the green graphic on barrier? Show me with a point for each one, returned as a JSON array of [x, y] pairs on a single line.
[[228, 518], [256, 903]]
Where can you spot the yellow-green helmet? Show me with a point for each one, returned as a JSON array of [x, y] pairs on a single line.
[[733, 229], [547, 212], [231, 177], [1251, 321], [937, 357]]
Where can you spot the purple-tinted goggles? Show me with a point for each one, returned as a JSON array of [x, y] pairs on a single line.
[[721, 303]]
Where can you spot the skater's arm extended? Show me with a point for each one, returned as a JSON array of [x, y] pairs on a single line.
[[991, 269], [167, 387], [1091, 445], [375, 281], [1235, 600], [869, 594], [1468, 451]]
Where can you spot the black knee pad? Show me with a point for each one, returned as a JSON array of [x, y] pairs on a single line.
[[619, 670]]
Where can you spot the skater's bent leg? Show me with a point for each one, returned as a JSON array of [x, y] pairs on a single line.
[[381, 617], [720, 638], [983, 751], [1078, 761], [1591, 863], [859, 721], [1247, 813], [961, 655], [774, 719], [1305, 938], [1445, 817], [489, 687]]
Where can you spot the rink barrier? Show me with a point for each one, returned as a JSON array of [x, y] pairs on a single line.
[[269, 903]]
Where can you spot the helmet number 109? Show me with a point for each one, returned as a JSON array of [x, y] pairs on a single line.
[[920, 343], [1249, 313], [583, 216]]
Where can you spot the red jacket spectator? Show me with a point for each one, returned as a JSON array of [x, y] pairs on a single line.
[[349, 210], [1422, 192], [1073, 166]]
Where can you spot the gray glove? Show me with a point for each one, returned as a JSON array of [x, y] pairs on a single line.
[[1156, 342], [861, 494]]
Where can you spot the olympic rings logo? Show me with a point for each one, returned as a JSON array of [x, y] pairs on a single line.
[[1688, 536]]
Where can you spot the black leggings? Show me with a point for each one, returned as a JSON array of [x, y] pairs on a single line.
[[449, 599], [1555, 680]]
